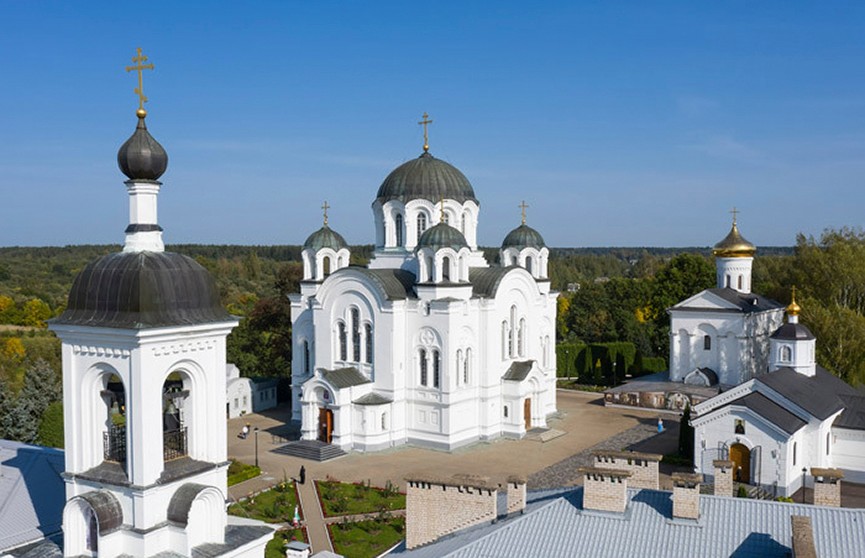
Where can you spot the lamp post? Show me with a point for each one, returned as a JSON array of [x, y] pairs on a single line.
[[804, 471], [256, 446]]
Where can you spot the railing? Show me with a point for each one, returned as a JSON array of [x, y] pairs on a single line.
[[114, 444], [174, 444]]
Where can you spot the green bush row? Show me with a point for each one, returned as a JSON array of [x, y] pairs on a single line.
[[604, 363], [239, 472]]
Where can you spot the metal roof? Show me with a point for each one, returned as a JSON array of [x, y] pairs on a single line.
[[426, 178], [522, 237], [394, 284], [771, 411], [747, 302], [819, 394], [325, 237], [485, 280], [372, 399], [793, 332], [141, 158], [344, 377], [442, 235], [518, 370], [853, 416], [557, 526], [32, 493]]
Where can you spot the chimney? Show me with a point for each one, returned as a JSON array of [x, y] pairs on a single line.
[[686, 495], [435, 508], [642, 466], [827, 486], [516, 494], [803, 537], [723, 477], [605, 489]]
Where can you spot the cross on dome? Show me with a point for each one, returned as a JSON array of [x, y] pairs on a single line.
[[734, 212], [523, 206], [425, 122], [140, 67], [325, 207]]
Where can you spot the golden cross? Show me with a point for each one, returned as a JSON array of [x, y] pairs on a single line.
[[140, 66], [523, 205], [325, 207], [426, 121], [793, 295], [442, 204], [735, 212]]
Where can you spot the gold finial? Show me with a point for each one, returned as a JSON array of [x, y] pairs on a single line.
[[735, 212], [325, 207], [140, 67], [523, 206], [426, 121], [793, 309]]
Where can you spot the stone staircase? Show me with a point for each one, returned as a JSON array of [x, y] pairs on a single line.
[[310, 449]]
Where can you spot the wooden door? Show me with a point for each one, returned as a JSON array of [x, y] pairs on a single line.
[[740, 455], [325, 425], [527, 413]]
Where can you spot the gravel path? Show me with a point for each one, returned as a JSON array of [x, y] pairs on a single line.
[[564, 473]]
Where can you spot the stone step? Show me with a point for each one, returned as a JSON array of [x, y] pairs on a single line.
[[313, 450]]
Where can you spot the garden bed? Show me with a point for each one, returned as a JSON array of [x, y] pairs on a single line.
[[366, 539], [273, 506], [276, 547], [338, 498]]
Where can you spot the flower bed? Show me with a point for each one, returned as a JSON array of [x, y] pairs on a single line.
[[366, 539], [276, 547], [273, 506], [338, 498]]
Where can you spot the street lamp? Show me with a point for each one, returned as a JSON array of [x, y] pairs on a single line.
[[804, 471], [256, 446]]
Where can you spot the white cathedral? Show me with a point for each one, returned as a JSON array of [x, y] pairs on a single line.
[[429, 344]]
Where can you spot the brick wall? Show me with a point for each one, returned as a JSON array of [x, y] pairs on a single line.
[[827, 487], [723, 477], [516, 494], [686, 495], [434, 509], [605, 489], [642, 466], [803, 537]]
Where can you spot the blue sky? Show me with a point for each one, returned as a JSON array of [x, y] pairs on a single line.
[[620, 123]]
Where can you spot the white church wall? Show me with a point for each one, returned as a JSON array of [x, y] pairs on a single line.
[[848, 453], [687, 341], [239, 397]]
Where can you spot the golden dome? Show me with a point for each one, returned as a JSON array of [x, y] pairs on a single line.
[[793, 309], [734, 245]]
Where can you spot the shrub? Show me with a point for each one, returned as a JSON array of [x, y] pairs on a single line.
[[51, 426], [742, 492]]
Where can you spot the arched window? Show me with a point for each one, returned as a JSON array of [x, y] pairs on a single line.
[[446, 269], [306, 363], [786, 353], [399, 229], [437, 365], [423, 364], [727, 281], [521, 338], [512, 333], [429, 268], [459, 364], [795, 447], [741, 282], [368, 333], [463, 224], [343, 342], [384, 421], [707, 343], [529, 264], [828, 442], [325, 264], [467, 366], [355, 335], [421, 224]]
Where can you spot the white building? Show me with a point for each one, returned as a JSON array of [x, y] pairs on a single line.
[[779, 425], [720, 337], [248, 395], [429, 344], [144, 386]]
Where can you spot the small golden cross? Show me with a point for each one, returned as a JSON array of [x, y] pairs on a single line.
[[325, 207], [793, 295], [140, 66], [735, 212], [523, 206], [426, 121]]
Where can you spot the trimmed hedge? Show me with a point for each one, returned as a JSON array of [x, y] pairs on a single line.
[[604, 363], [239, 472]]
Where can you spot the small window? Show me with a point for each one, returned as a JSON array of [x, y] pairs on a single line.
[[446, 269], [437, 364], [505, 411], [741, 282], [727, 283], [466, 366], [828, 442], [343, 342], [369, 345], [245, 401], [384, 421], [421, 224], [355, 334], [399, 231], [795, 447], [740, 426], [306, 362], [236, 403], [786, 353], [529, 264], [707, 343], [423, 367], [326, 266]]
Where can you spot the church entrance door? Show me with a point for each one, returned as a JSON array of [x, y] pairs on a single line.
[[740, 455], [527, 413], [325, 425]]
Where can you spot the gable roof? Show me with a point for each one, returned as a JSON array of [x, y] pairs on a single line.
[[344, 377], [819, 395], [734, 301], [518, 370], [853, 416], [771, 411]]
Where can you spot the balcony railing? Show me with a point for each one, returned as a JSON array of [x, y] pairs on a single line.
[[174, 444], [114, 444]]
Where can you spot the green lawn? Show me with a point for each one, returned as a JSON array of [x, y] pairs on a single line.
[[239, 472], [274, 506], [276, 547], [367, 539], [347, 499]]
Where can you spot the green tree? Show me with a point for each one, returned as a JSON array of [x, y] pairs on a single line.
[[5, 405], [51, 426], [41, 388], [35, 312]]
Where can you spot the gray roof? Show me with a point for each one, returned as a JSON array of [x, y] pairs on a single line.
[[518, 370], [522, 237], [32, 493], [485, 280], [109, 514], [344, 377], [853, 416], [372, 399], [325, 237], [771, 411], [819, 394], [135, 290], [181, 502], [747, 303], [426, 178], [394, 284], [236, 536], [141, 157], [557, 526], [442, 235], [793, 332]]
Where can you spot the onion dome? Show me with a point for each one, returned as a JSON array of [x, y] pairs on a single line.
[[523, 237], [734, 245], [325, 237], [793, 309], [141, 157], [136, 290], [426, 178], [442, 236]]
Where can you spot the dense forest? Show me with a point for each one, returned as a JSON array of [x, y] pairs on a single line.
[[611, 322]]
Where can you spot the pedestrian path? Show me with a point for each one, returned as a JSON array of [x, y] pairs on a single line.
[[313, 517]]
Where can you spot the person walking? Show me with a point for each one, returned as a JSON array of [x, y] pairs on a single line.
[[302, 479]]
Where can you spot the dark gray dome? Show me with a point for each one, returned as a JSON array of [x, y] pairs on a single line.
[[426, 178], [325, 237], [522, 237], [136, 290], [442, 236], [141, 157], [793, 332]]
